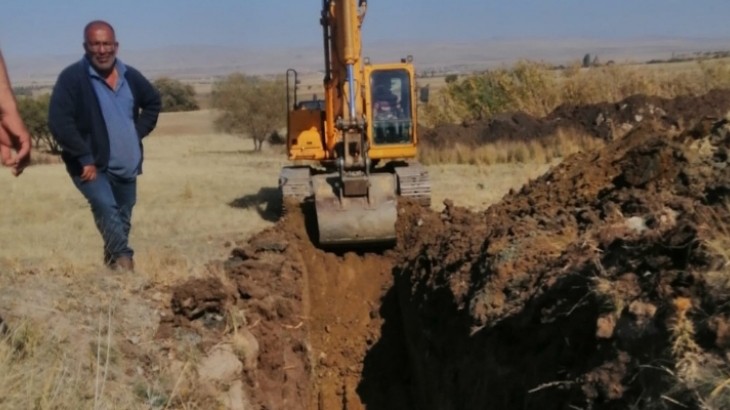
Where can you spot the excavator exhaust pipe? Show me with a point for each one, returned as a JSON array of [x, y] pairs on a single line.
[[369, 218]]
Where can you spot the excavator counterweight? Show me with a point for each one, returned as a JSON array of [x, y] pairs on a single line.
[[360, 141]]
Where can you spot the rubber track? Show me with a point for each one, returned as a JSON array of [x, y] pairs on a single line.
[[413, 182], [294, 183]]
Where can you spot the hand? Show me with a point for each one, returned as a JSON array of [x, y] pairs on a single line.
[[21, 144], [88, 173]]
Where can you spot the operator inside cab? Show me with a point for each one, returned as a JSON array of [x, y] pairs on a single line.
[[385, 104]]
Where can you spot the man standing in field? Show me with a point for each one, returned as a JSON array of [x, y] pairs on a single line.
[[13, 133], [95, 116]]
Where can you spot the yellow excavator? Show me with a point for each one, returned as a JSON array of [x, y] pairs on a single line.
[[362, 136]]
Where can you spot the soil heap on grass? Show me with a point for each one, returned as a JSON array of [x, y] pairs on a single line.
[[602, 284], [604, 121]]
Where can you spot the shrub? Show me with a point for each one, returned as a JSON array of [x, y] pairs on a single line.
[[34, 111], [176, 96], [250, 106]]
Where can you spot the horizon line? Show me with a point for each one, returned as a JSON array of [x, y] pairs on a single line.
[[381, 43]]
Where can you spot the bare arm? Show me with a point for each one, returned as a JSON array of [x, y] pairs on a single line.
[[13, 135], [8, 106]]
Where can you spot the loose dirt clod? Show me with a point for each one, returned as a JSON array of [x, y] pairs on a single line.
[[603, 284]]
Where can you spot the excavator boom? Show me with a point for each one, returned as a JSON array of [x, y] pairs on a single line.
[[367, 119]]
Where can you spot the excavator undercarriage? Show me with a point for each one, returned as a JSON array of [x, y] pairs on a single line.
[[368, 216]]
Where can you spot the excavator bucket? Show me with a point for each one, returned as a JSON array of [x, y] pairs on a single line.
[[367, 218]]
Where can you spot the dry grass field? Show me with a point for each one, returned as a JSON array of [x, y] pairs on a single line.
[[191, 178], [81, 337], [197, 187]]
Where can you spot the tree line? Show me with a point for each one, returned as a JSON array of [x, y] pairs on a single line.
[[246, 106]]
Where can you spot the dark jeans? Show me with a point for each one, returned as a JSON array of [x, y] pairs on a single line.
[[111, 205]]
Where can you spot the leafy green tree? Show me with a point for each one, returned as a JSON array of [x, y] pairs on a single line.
[[176, 96], [250, 106], [34, 111]]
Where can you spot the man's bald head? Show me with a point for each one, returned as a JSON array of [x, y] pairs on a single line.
[[97, 24], [101, 45]]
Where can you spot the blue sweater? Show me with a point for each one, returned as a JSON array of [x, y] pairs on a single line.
[[76, 122]]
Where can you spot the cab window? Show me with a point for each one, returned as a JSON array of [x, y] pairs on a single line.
[[391, 107]]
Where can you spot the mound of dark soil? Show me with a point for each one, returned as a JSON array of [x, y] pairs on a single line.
[[588, 288], [605, 121]]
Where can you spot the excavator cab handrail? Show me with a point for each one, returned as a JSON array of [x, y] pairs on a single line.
[[288, 88]]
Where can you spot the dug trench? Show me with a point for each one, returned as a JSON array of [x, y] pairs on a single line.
[[603, 284], [306, 321]]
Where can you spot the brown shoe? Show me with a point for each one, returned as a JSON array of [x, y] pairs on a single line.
[[124, 263]]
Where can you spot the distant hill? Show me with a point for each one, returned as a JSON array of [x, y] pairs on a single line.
[[201, 62]]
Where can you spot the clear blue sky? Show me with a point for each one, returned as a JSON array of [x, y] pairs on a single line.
[[38, 27]]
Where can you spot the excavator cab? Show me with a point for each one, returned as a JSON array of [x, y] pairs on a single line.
[[390, 95], [390, 105]]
